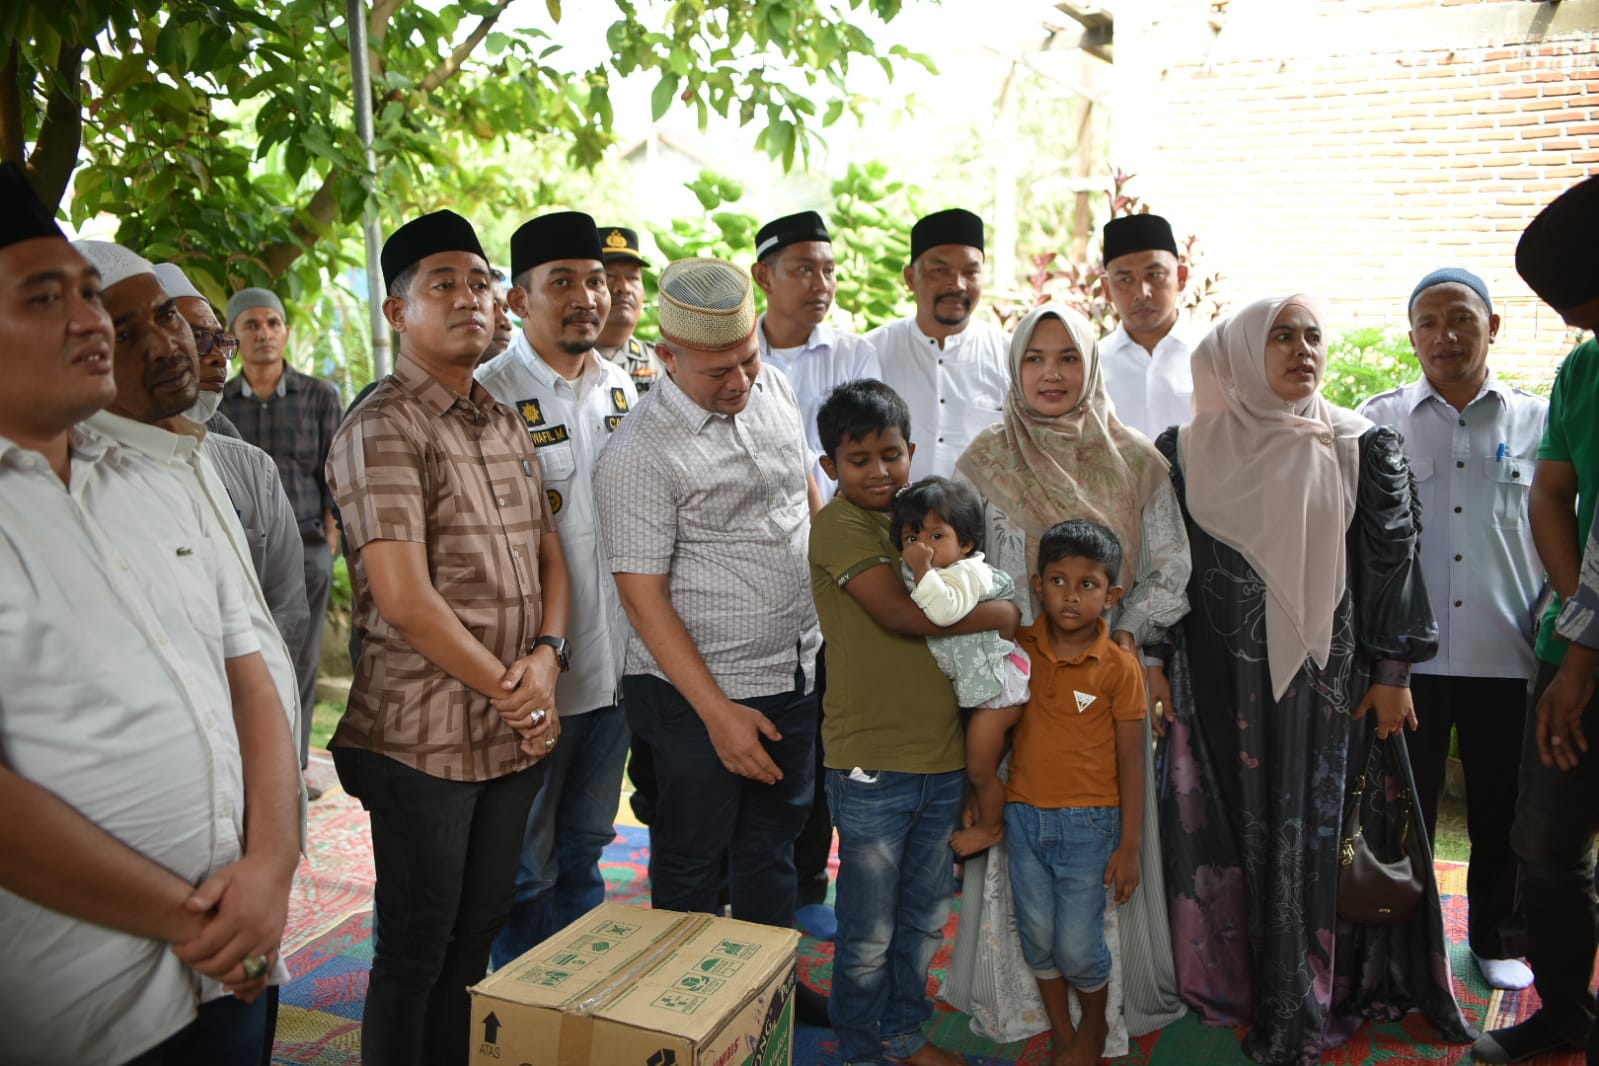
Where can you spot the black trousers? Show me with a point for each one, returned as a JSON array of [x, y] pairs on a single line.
[[1489, 714], [1557, 814], [704, 814], [445, 854], [815, 844]]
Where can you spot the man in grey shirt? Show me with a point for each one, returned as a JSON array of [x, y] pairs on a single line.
[[247, 472], [702, 500]]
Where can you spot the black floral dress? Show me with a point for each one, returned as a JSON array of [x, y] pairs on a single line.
[[1251, 792]]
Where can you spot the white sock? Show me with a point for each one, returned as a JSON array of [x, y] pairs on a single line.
[[1504, 973]]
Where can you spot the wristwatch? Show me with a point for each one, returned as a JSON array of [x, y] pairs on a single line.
[[559, 646]]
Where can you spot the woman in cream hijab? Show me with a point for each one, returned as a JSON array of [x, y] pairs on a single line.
[[1307, 609], [1061, 453]]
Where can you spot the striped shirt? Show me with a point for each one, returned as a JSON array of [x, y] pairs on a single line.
[[418, 462]]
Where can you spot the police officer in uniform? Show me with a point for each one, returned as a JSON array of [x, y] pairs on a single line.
[[572, 402], [624, 276]]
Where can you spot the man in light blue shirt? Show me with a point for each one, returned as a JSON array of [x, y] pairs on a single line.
[[1472, 441]]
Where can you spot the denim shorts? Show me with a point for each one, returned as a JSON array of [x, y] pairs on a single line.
[[1058, 858]]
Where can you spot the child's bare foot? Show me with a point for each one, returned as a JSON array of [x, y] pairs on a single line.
[[975, 839], [931, 1054], [1061, 1054], [1093, 1028]]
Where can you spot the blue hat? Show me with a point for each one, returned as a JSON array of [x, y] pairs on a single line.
[[1457, 276]]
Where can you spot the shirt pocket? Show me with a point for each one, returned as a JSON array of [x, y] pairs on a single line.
[[557, 463], [195, 574], [1510, 482]]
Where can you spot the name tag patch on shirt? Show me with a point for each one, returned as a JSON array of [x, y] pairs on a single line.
[[619, 401], [1084, 700], [543, 438], [555, 500], [532, 414], [611, 422]]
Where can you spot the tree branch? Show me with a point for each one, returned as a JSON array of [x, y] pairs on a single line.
[[324, 208], [377, 28], [13, 140], [55, 152], [382, 11], [446, 70]]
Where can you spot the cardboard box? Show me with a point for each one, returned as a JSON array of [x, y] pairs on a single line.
[[626, 986]]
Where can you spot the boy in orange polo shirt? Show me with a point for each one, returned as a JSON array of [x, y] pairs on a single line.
[[1075, 800]]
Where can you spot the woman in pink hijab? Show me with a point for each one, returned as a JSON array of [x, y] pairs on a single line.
[[1306, 609]]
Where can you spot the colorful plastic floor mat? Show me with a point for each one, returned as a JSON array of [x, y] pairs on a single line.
[[328, 948]]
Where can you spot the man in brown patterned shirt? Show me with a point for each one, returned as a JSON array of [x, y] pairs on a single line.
[[461, 603]]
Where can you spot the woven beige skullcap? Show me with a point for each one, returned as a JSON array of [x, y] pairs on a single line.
[[706, 304]]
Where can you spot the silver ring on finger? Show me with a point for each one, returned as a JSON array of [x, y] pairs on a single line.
[[255, 967], [549, 742], [538, 717]]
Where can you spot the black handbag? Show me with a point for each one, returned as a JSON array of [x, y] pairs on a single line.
[[1371, 891]]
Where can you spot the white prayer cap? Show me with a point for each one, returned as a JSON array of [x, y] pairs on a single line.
[[176, 282], [114, 262]]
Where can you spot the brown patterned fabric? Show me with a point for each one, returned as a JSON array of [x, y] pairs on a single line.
[[418, 462]]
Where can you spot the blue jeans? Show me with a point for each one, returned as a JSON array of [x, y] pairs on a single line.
[[444, 854], [702, 811], [1057, 877], [573, 818], [895, 878], [227, 1032]]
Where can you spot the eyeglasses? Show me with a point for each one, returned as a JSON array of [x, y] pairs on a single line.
[[205, 340]]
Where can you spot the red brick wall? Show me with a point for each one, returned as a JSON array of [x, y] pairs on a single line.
[[1349, 151]]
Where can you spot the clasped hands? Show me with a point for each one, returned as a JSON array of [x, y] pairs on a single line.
[[238, 914], [528, 705]]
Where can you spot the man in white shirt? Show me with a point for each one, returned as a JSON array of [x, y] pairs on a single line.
[[1472, 441], [572, 401], [131, 901], [1145, 358], [794, 267], [951, 369], [157, 374]]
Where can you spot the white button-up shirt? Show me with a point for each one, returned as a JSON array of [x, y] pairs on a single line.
[[192, 468], [571, 422], [825, 361], [954, 392], [718, 503], [1152, 392], [118, 614], [1473, 472]]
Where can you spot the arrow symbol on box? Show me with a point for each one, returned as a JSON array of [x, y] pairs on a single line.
[[491, 1029]]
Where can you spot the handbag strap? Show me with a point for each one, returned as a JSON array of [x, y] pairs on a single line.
[[1353, 816]]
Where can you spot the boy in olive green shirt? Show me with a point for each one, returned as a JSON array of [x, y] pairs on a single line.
[[891, 737]]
